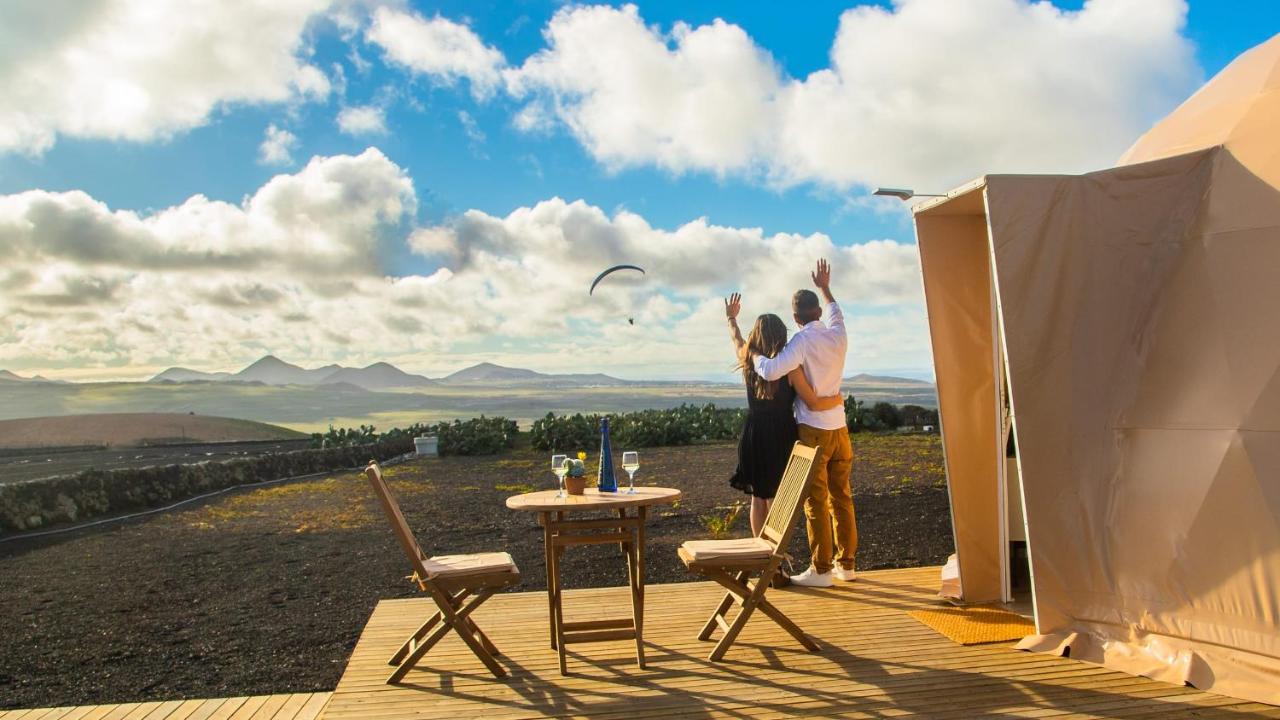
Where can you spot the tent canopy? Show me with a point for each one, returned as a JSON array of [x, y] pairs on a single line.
[[1133, 312]]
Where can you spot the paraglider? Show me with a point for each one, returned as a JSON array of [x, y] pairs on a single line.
[[609, 271]]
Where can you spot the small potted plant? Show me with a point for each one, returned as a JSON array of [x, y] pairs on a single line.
[[575, 482]]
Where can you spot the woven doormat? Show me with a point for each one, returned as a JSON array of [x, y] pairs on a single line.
[[976, 625]]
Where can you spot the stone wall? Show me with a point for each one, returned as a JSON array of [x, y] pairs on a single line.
[[93, 493]]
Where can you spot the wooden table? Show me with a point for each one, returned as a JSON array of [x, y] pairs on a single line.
[[626, 529]]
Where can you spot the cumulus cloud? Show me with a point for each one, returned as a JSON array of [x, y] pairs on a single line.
[[362, 120], [140, 70], [295, 269], [277, 146], [437, 47], [927, 93]]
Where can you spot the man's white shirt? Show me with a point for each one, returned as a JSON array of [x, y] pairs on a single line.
[[820, 350]]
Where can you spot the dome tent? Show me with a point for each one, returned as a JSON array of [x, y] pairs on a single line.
[[1121, 325]]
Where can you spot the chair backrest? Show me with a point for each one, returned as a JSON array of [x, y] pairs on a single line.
[[792, 490], [399, 526]]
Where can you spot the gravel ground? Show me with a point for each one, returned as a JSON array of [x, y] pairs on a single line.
[[201, 602]]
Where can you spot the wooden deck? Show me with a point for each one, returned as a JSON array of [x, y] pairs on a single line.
[[295, 706], [875, 662]]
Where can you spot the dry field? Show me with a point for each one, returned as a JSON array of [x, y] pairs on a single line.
[[201, 602]]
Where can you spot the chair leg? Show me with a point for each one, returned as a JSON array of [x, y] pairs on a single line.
[[484, 639], [721, 609], [455, 617], [751, 597], [731, 634], [412, 642]]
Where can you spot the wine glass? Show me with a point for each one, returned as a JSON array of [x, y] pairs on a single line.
[[560, 466], [631, 463]]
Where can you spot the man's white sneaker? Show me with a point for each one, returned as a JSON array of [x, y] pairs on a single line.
[[811, 578], [845, 575]]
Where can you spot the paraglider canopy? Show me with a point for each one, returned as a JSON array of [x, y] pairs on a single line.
[[610, 271]]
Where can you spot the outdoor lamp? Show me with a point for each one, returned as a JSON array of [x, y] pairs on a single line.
[[902, 194]]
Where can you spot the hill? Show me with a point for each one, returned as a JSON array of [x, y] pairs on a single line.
[[377, 376], [489, 374], [271, 370], [863, 379], [180, 374], [134, 429]]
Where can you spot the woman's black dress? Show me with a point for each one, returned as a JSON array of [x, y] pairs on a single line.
[[766, 442]]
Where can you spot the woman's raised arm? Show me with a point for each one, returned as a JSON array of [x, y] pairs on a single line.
[[732, 305], [806, 393]]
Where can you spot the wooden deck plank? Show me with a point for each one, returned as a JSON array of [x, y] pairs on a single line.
[[312, 708], [285, 706], [876, 662]]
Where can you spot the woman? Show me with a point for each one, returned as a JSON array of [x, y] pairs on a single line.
[[770, 430]]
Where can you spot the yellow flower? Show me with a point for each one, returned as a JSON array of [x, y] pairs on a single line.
[[582, 455]]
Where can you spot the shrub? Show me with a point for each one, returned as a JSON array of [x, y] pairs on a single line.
[[646, 428], [477, 436]]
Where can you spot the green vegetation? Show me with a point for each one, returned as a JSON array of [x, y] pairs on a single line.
[[647, 428], [477, 436], [886, 416], [718, 524]]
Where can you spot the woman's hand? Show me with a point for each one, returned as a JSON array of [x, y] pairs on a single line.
[[732, 305]]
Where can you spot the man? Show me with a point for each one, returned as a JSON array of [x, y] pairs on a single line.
[[820, 349]]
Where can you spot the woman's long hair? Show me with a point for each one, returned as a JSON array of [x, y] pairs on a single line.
[[767, 338]]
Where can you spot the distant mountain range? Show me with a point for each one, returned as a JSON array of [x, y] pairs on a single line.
[[6, 376], [271, 370]]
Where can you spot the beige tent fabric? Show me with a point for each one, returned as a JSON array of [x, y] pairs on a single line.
[[1239, 109], [1140, 309], [1144, 371], [954, 259]]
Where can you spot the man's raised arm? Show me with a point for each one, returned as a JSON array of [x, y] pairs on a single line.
[[822, 278]]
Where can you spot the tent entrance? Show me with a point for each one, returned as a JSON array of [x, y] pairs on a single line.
[[977, 421]]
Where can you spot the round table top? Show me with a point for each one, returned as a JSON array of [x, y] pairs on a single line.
[[592, 499]]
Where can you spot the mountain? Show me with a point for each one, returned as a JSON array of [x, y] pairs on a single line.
[[6, 376], [271, 370], [377, 376], [180, 375], [865, 379], [490, 374]]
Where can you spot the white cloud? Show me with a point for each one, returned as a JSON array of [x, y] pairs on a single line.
[[439, 48], [927, 94], [362, 120], [277, 146], [140, 70], [296, 269]]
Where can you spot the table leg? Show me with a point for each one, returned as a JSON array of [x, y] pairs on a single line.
[[637, 608], [559, 603], [549, 550]]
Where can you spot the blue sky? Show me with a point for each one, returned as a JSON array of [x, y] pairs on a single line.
[[471, 164]]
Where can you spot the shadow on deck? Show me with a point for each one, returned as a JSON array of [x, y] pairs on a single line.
[[875, 662]]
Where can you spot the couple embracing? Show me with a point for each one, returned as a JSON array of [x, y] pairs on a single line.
[[793, 393]]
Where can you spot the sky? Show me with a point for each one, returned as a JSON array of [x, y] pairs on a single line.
[[436, 184]]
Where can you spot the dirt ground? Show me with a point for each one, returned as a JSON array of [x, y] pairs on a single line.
[[266, 591]]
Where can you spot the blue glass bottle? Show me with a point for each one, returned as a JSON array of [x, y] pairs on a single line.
[[605, 480]]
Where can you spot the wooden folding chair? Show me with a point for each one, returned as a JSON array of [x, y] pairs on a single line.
[[450, 580], [732, 562]]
